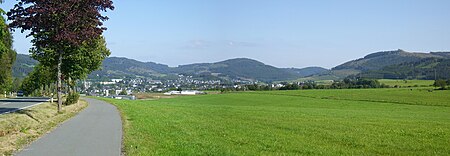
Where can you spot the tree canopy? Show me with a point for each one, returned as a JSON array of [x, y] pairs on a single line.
[[7, 56], [61, 29]]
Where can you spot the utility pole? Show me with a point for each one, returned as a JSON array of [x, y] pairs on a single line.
[[435, 74], [435, 78]]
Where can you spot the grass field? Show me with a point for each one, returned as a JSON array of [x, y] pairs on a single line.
[[407, 83], [312, 122]]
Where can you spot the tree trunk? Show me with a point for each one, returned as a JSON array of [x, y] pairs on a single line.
[[58, 87]]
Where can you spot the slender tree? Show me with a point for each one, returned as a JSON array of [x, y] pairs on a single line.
[[59, 27], [7, 56]]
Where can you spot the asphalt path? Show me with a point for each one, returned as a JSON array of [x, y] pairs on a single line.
[[97, 130], [12, 105]]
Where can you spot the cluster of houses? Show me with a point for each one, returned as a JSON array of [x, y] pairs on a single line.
[[115, 87], [189, 85]]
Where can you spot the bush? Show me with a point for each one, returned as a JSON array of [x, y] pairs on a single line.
[[72, 98]]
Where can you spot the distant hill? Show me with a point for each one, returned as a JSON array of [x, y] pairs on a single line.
[[24, 64], [378, 61], [387, 64], [428, 68], [242, 68], [308, 71], [119, 67]]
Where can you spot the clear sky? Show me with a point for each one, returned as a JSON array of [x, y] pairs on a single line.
[[282, 33]]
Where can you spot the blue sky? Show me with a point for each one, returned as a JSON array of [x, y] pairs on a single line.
[[282, 33]]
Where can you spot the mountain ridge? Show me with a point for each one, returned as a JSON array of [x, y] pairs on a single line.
[[377, 61], [236, 68], [250, 69]]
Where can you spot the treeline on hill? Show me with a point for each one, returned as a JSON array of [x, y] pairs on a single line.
[[425, 69], [348, 83], [344, 84]]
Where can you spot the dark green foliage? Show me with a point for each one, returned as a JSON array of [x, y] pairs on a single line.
[[441, 83], [72, 98], [16, 84], [7, 56], [380, 60], [388, 65], [357, 83], [85, 59], [123, 92], [293, 86], [40, 77], [426, 69]]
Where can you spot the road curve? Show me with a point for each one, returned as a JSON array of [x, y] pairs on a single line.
[[97, 130]]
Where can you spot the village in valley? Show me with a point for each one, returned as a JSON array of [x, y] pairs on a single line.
[[184, 85]]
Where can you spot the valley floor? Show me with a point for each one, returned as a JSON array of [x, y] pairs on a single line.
[[327, 122]]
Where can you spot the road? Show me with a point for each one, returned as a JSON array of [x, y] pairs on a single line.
[[12, 105], [97, 130]]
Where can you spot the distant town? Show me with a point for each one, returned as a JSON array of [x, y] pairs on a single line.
[[129, 86]]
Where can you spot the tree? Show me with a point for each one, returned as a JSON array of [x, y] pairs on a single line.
[[87, 58], [123, 92], [40, 77], [7, 56], [441, 83], [59, 28]]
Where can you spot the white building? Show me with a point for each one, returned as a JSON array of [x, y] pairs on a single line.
[[185, 92], [116, 80]]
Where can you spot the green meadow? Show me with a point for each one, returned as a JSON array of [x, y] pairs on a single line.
[[407, 83], [310, 122]]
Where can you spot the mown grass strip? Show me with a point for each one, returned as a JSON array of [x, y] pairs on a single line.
[[22, 127]]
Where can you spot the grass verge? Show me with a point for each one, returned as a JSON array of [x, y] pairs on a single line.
[[23, 127]]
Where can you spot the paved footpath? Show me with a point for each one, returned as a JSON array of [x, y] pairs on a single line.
[[97, 130]]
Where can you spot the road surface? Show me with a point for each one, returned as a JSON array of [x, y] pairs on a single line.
[[12, 105], [97, 130]]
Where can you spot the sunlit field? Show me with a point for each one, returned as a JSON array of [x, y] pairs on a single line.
[[327, 122], [407, 83]]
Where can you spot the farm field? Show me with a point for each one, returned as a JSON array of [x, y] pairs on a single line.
[[325, 122], [406, 83]]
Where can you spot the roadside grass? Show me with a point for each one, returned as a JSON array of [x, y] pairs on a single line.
[[407, 83], [283, 123], [21, 128]]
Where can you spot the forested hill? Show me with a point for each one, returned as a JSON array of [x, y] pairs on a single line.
[[388, 64], [24, 64], [380, 60], [308, 71], [428, 68], [240, 68], [391, 64]]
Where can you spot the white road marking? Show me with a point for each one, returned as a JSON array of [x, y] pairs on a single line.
[[5, 103], [23, 107]]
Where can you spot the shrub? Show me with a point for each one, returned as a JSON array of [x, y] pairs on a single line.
[[72, 98]]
